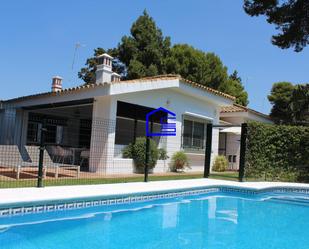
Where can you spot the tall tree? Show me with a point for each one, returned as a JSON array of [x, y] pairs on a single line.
[[144, 51], [291, 17], [280, 98], [87, 74], [234, 87], [193, 64], [300, 104], [206, 69]]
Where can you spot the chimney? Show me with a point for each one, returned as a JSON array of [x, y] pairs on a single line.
[[116, 77], [104, 68], [56, 84]]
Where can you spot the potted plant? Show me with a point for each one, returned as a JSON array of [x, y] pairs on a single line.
[[137, 151], [179, 161]]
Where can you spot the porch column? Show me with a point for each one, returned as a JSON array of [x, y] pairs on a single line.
[[214, 146], [102, 134]]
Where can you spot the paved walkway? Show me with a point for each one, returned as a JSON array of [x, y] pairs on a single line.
[[22, 195]]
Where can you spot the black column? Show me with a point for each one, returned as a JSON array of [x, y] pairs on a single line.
[[208, 150], [147, 159], [242, 157], [41, 155]]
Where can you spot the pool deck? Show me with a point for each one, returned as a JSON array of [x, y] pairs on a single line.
[[26, 195]]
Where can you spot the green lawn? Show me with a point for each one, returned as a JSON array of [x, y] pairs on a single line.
[[231, 176]]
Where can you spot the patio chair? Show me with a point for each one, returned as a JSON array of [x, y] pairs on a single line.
[[62, 158], [10, 157], [84, 157]]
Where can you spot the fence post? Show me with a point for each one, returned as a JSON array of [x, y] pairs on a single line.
[[208, 150], [243, 145], [41, 156], [147, 159]]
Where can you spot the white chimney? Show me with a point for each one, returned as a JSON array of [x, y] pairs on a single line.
[[56, 84], [116, 77], [104, 68]]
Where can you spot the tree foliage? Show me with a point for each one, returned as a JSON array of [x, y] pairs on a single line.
[[87, 74], [300, 104], [291, 17], [234, 87], [146, 52], [280, 98], [290, 103], [193, 64], [206, 69]]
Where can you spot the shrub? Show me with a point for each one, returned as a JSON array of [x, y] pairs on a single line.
[[220, 164], [162, 154], [137, 152], [179, 161], [277, 152]]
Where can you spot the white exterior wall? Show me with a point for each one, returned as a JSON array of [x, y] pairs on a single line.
[[233, 148], [178, 103], [102, 134]]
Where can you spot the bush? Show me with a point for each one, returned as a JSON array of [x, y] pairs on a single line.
[[220, 164], [137, 152], [162, 154], [277, 152], [179, 161]]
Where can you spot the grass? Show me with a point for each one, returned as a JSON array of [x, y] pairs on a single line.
[[231, 176]]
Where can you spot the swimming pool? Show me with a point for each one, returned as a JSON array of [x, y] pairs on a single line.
[[213, 219]]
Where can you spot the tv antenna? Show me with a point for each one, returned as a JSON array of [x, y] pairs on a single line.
[[77, 46]]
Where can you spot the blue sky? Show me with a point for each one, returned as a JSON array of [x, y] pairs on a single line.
[[38, 40]]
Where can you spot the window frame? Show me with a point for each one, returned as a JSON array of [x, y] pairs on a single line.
[[191, 147]]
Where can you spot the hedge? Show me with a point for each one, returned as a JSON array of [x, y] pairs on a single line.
[[277, 152]]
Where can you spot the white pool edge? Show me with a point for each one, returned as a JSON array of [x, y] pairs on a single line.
[[21, 196]]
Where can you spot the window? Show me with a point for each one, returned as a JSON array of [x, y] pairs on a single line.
[[222, 143], [193, 135], [124, 131], [34, 133], [51, 134], [141, 128], [198, 135], [84, 133], [187, 133], [130, 123]]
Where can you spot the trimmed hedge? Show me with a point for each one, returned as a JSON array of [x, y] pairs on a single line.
[[277, 152]]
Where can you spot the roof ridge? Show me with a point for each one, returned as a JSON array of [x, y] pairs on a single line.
[[209, 89], [156, 77]]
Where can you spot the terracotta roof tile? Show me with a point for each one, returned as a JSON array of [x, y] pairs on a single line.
[[154, 78], [240, 108], [233, 108]]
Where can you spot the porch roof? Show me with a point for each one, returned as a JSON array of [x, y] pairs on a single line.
[[235, 108]]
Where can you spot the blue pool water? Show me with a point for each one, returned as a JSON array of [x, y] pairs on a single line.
[[217, 220]]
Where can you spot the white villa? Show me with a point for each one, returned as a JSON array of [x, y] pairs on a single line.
[[111, 114]]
